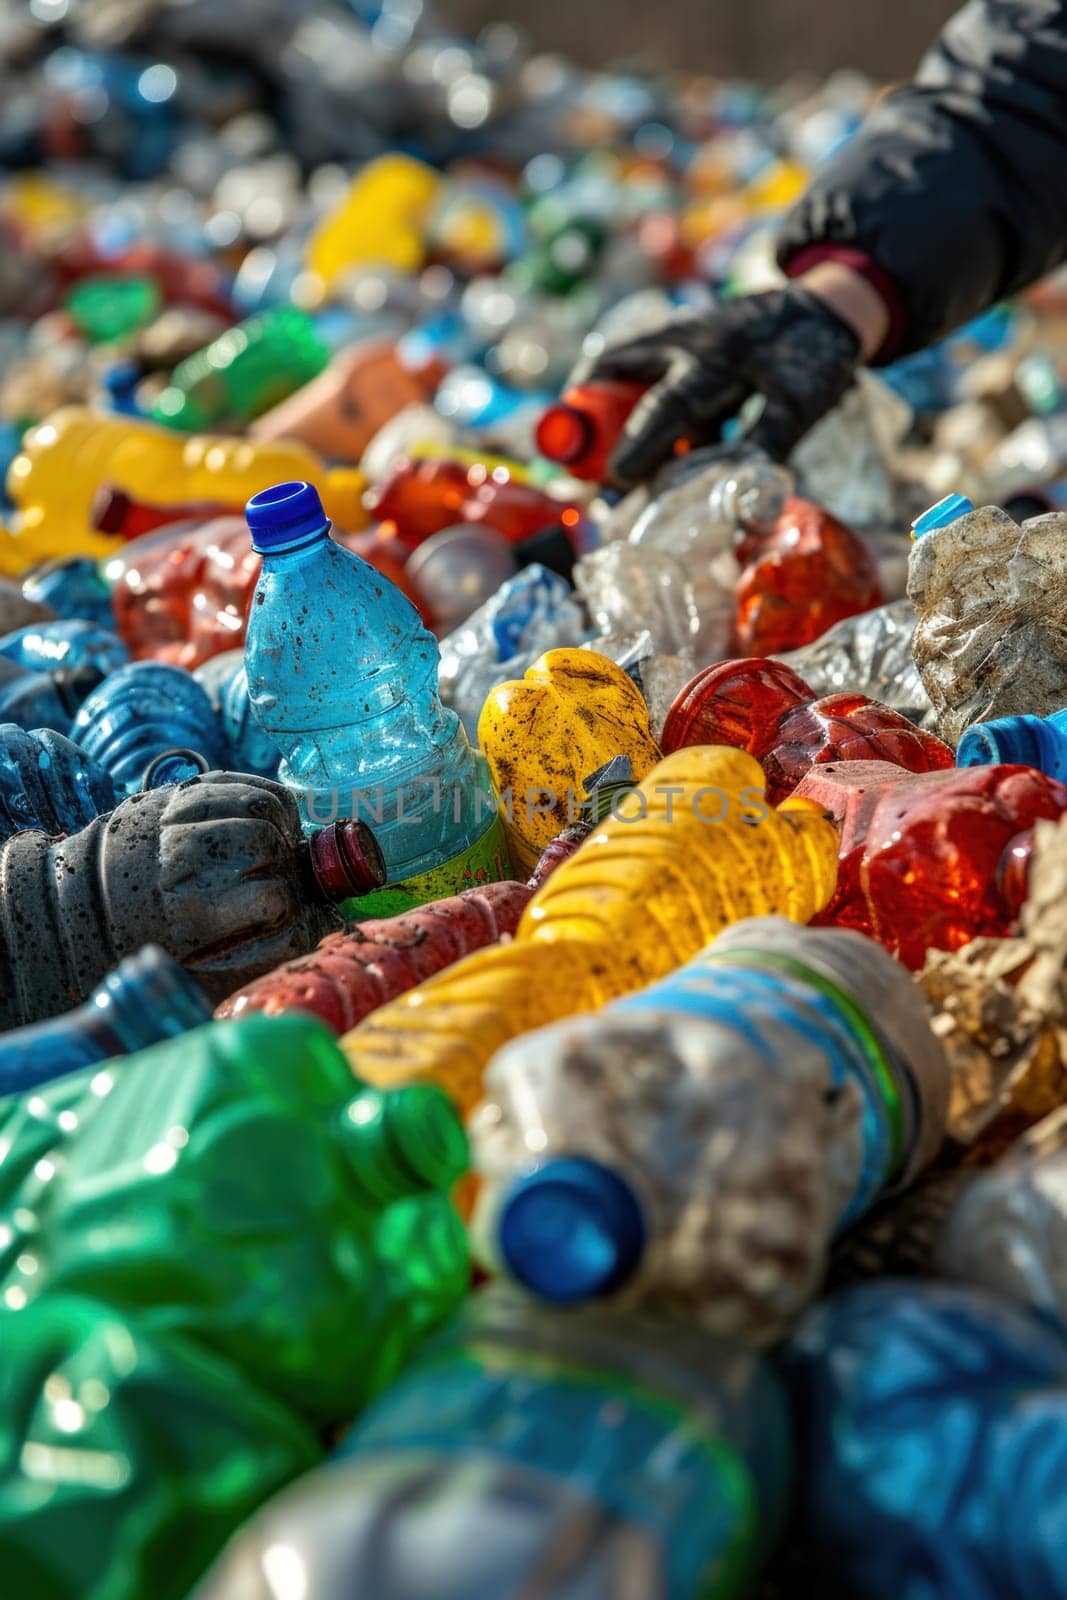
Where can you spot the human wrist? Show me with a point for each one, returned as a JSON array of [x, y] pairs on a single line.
[[853, 299]]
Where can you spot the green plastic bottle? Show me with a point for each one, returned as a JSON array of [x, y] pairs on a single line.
[[110, 306], [243, 372], [238, 1188], [126, 1459]]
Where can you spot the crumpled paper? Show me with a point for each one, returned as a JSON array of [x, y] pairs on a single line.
[[1001, 1012]]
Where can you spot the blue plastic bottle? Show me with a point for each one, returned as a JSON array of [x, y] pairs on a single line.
[[63, 646], [574, 1457], [43, 699], [701, 1142], [933, 1445], [1039, 742], [150, 715], [342, 675], [74, 588], [147, 998], [225, 683], [47, 782]]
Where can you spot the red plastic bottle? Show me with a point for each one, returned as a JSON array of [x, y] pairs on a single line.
[[422, 498], [182, 594], [766, 708], [583, 427], [115, 511], [798, 580], [931, 860], [350, 974]]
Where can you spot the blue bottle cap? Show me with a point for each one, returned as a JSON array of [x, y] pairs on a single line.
[[571, 1230], [950, 509], [284, 516]]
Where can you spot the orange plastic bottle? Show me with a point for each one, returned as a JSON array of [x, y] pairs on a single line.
[[338, 413], [766, 708], [422, 497], [66, 458], [692, 849], [931, 860], [583, 427], [798, 580]]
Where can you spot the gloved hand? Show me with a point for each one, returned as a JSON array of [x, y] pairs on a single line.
[[786, 345]]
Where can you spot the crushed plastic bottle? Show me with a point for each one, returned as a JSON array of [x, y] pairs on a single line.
[[931, 860], [216, 871], [571, 712], [216, 1447], [765, 708], [809, 572], [48, 783], [531, 613], [933, 1428], [522, 1423], [869, 654], [672, 1150], [989, 594]]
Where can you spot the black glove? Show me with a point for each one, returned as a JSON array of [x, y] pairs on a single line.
[[786, 345]]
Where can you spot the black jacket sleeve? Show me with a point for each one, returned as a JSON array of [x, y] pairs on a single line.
[[956, 186]]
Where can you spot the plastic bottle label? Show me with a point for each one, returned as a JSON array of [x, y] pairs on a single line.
[[485, 861]]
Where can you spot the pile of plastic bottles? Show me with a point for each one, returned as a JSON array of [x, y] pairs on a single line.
[[422, 863]]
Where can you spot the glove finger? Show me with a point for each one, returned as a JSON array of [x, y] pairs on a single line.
[[692, 403], [783, 422], [637, 361]]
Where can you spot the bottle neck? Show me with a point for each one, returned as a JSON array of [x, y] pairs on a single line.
[[344, 860], [146, 999]]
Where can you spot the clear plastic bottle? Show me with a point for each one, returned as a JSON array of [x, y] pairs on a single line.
[[676, 571], [697, 1145], [529, 1448], [342, 675]]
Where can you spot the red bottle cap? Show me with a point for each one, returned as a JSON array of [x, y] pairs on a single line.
[[564, 433], [346, 860]]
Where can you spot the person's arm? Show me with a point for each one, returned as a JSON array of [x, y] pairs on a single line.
[[954, 193]]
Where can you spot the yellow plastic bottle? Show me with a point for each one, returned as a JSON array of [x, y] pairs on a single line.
[[546, 732], [66, 458], [693, 849], [380, 222]]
